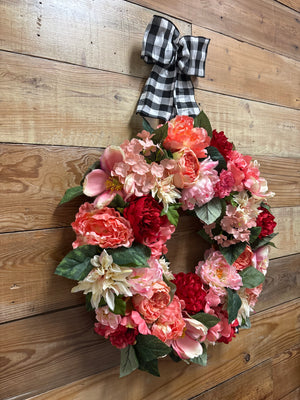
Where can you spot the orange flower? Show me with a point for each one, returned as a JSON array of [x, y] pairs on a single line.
[[244, 260], [181, 133]]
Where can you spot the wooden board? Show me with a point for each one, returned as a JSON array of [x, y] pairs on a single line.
[[266, 24], [102, 34], [47, 102], [255, 384], [249, 72], [41, 174], [28, 260], [286, 372], [293, 395], [294, 4], [267, 337]]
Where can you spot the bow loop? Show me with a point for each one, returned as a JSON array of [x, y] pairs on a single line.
[[169, 89], [160, 42]]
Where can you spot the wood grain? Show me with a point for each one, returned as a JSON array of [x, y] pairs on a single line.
[[249, 72], [294, 4], [293, 395], [267, 337], [239, 387], [286, 372], [36, 177], [102, 34], [47, 102], [263, 23]]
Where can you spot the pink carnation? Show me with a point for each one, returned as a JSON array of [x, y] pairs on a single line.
[[203, 189], [170, 324], [224, 187], [218, 274], [104, 227]]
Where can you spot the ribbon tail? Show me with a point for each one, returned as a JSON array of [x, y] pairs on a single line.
[[184, 97]]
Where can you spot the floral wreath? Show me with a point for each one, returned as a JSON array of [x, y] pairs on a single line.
[[118, 257]]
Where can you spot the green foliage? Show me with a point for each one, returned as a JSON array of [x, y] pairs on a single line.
[[160, 134], [264, 241], [215, 155], [135, 256], [172, 213], [118, 203], [233, 305], [202, 359], [205, 236], [255, 231], [206, 319], [251, 277], [120, 306], [210, 212], [233, 252], [202, 121], [76, 264], [172, 287], [129, 361], [71, 193], [146, 126]]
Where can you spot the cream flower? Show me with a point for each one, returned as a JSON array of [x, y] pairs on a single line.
[[165, 191], [106, 280], [245, 309], [165, 268]]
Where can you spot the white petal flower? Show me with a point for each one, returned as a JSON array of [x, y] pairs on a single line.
[[165, 268], [165, 191], [106, 280]]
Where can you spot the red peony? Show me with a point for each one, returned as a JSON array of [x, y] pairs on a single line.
[[149, 227], [266, 221], [220, 141], [190, 289], [123, 337], [104, 227]]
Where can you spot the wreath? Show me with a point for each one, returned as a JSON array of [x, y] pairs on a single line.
[[118, 257]]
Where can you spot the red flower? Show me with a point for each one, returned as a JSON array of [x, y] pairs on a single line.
[[266, 221], [149, 227], [234, 329], [190, 289], [220, 141], [123, 336]]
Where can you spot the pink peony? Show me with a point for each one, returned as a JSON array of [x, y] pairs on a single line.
[[218, 274], [103, 227], [170, 324], [221, 329], [151, 308], [187, 168], [202, 191], [100, 183], [188, 346], [181, 133]]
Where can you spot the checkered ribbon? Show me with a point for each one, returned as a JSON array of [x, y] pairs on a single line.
[[169, 90]]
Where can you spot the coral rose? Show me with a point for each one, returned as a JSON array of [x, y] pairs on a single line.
[[188, 168], [103, 227], [244, 260], [181, 133], [151, 308]]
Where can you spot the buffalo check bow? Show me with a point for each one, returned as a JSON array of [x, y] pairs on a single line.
[[169, 90]]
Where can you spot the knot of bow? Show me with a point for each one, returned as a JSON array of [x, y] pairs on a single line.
[[169, 90]]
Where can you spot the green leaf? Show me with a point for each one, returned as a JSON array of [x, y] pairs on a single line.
[[118, 202], [160, 134], [129, 361], [266, 206], [202, 121], [172, 213], [132, 257], [251, 277], [215, 155], [150, 366], [202, 359], [206, 319], [146, 126], [210, 211], [172, 287], [233, 252], [76, 264], [255, 231], [205, 236], [149, 347], [263, 241], [174, 356], [246, 324], [233, 305], [95, 165], [71, 193], [120, 306]]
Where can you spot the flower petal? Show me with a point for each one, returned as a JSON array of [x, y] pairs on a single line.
[[111, 156], [94, 183]]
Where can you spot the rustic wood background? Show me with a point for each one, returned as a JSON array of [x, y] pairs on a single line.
[[71, 76]]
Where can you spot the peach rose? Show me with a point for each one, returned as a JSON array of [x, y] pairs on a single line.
[[104, 227], [187, 170], [151, 308], [181, 133], [170, 325], [244, 260]]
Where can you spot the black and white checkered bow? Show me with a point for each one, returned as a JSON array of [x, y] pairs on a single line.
[[169, 90]]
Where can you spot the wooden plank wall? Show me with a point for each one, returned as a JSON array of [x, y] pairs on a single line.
[[70, 78]]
